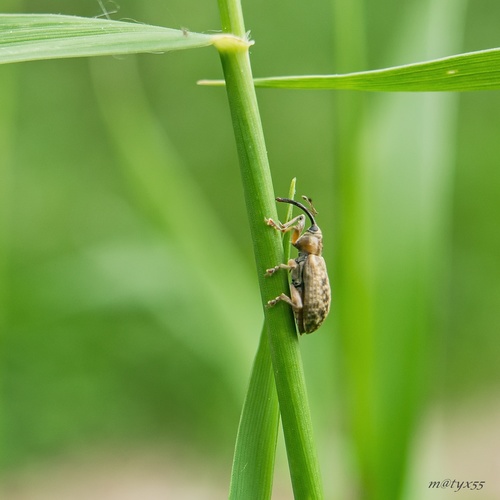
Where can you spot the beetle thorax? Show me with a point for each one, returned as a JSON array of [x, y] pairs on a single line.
[[310, 242]]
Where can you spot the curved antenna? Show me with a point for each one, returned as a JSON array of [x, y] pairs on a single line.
[[302, 207]]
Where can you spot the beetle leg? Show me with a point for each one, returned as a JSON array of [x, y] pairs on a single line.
[[295, 301], [291, 265], [277, 225], [296, 225], [283, 298]]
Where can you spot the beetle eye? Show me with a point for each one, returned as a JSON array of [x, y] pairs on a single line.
[[313, 229]]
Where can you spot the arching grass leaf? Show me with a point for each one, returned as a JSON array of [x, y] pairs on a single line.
[[27, 37]]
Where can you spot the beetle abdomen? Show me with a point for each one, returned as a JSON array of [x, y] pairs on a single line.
[[316, 293]]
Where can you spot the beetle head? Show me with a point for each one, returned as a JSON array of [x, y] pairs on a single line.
[[312, 240]]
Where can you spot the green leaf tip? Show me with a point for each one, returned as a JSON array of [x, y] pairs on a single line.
[[463, 72]]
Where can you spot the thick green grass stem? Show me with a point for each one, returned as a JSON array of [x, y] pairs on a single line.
[[255, 448], [259, 197]]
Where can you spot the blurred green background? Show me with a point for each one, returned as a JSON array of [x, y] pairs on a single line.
[[129, 307]]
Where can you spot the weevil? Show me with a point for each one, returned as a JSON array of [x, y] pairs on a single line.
[[310, 294]]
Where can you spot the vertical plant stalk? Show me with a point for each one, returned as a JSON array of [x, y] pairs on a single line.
[[255, 449], [268, 251]]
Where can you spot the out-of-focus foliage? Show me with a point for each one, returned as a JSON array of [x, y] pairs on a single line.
[[114, 328]]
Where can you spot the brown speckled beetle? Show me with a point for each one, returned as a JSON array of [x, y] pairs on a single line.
[[309, 287]]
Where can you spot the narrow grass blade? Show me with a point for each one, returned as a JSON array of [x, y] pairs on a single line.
[[255, 450], [28, 37], [464, 72]]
